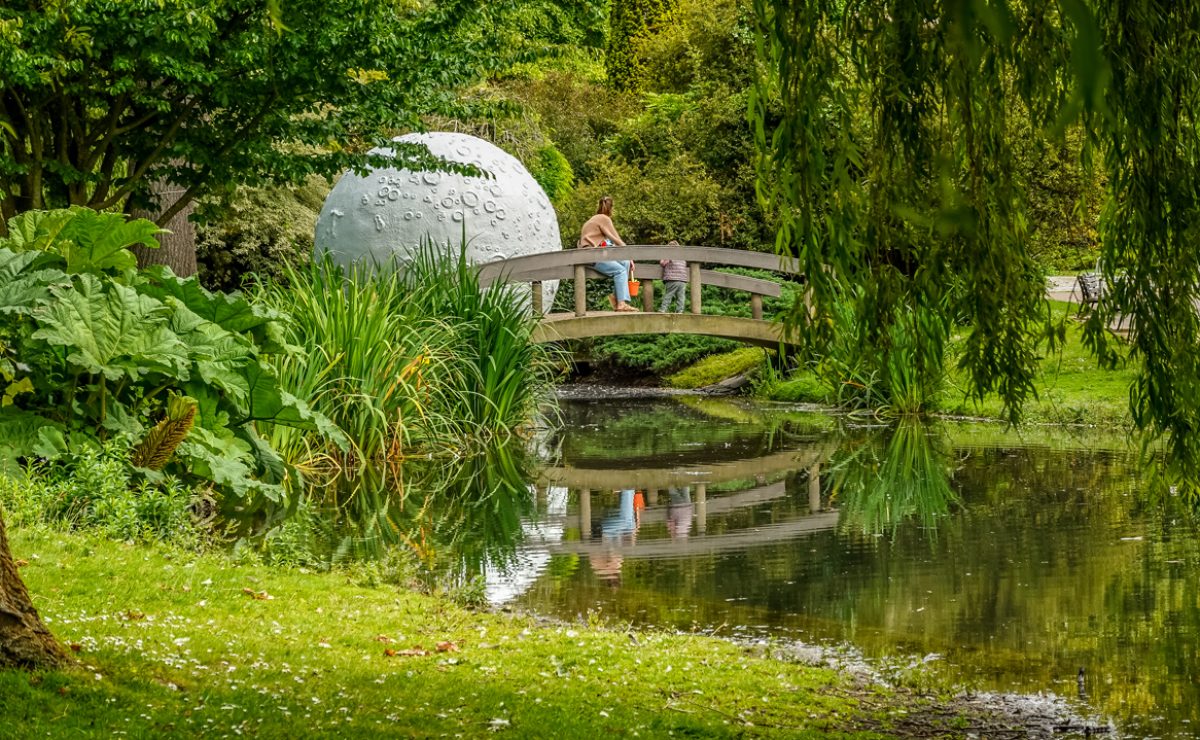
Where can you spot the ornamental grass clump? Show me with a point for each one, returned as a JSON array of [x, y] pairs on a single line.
[[403, 361]]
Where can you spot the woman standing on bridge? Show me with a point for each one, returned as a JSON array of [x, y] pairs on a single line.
[[599, 231]]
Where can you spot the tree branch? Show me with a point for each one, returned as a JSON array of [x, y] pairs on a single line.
[[140, 169]]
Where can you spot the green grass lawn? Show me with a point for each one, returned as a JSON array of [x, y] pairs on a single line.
[[1071, 388], [188, 645]]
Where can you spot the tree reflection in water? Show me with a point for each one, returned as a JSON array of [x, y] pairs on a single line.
[[457, 517]]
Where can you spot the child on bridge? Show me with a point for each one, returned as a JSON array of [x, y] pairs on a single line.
[[675, 280]]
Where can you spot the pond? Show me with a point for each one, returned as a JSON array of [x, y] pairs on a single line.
[[1014, 562], [1004, 563]]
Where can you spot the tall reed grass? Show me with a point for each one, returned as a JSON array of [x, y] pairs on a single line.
[[416, 360], [897, 374]]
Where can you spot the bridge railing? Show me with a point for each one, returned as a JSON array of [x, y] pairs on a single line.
[[576, 264]]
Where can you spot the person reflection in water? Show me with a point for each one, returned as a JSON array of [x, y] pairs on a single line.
[[679, 512], [618, 528]]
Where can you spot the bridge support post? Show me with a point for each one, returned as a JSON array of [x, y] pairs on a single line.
[[537, 298], [756, 306], [647, 295], [701, 501], [694, 283], [580, 291], [814, 489], [585, 514]]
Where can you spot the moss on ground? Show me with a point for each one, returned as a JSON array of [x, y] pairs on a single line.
[[715, 368], [177, 644]]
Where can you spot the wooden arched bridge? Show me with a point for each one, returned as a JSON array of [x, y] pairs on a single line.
[[576, 264]]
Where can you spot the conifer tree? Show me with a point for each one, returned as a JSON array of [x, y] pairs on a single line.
[[631, 20]]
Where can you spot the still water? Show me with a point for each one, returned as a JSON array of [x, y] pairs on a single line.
[[1008, 562], [1016, 562]]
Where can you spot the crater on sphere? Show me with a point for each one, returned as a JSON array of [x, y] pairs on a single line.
[[392, 212]]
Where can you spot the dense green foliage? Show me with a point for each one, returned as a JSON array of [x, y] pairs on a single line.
[[98, 350], [99, 99], [925, 207], [632, 21], [211, 387], [257, 233], [96, 491]]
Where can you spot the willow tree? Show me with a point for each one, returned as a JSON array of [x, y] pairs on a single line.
[[897, 187]]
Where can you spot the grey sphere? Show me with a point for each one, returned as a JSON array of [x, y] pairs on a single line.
[[392, 212]]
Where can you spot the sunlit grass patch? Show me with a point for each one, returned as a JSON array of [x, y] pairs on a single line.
[[1071, 387], [172, 643]]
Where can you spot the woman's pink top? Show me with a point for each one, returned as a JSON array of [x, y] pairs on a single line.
[[596, 229]]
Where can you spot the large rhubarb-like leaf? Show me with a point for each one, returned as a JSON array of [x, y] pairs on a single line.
[[87, 240], [110, 330]]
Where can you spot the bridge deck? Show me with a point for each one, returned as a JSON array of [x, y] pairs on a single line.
[[560, 326]]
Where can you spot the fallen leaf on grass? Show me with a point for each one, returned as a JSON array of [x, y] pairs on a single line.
[[259, 595], [21, 563], [133, 615], [76, 647], [411, 652], [384, 639], [447, 647]]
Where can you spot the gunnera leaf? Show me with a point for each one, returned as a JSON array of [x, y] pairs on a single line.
[[110, 330]]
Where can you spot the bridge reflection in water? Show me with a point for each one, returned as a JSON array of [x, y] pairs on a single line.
[[614, 509]]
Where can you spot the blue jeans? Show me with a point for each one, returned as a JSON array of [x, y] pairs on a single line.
[[619, 272]]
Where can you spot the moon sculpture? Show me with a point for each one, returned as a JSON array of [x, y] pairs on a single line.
[[394, 212]]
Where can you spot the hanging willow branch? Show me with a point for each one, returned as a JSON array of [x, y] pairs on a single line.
[[892, 171], [884, 133]]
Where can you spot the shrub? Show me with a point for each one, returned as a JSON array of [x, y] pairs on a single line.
[[553, 172], [93, 489], [631, 21], [257, 231], [664, 200], [576, 114], [106, 351]]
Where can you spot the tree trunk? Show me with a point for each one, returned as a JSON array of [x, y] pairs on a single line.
[[177, 249], [24, 640]]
